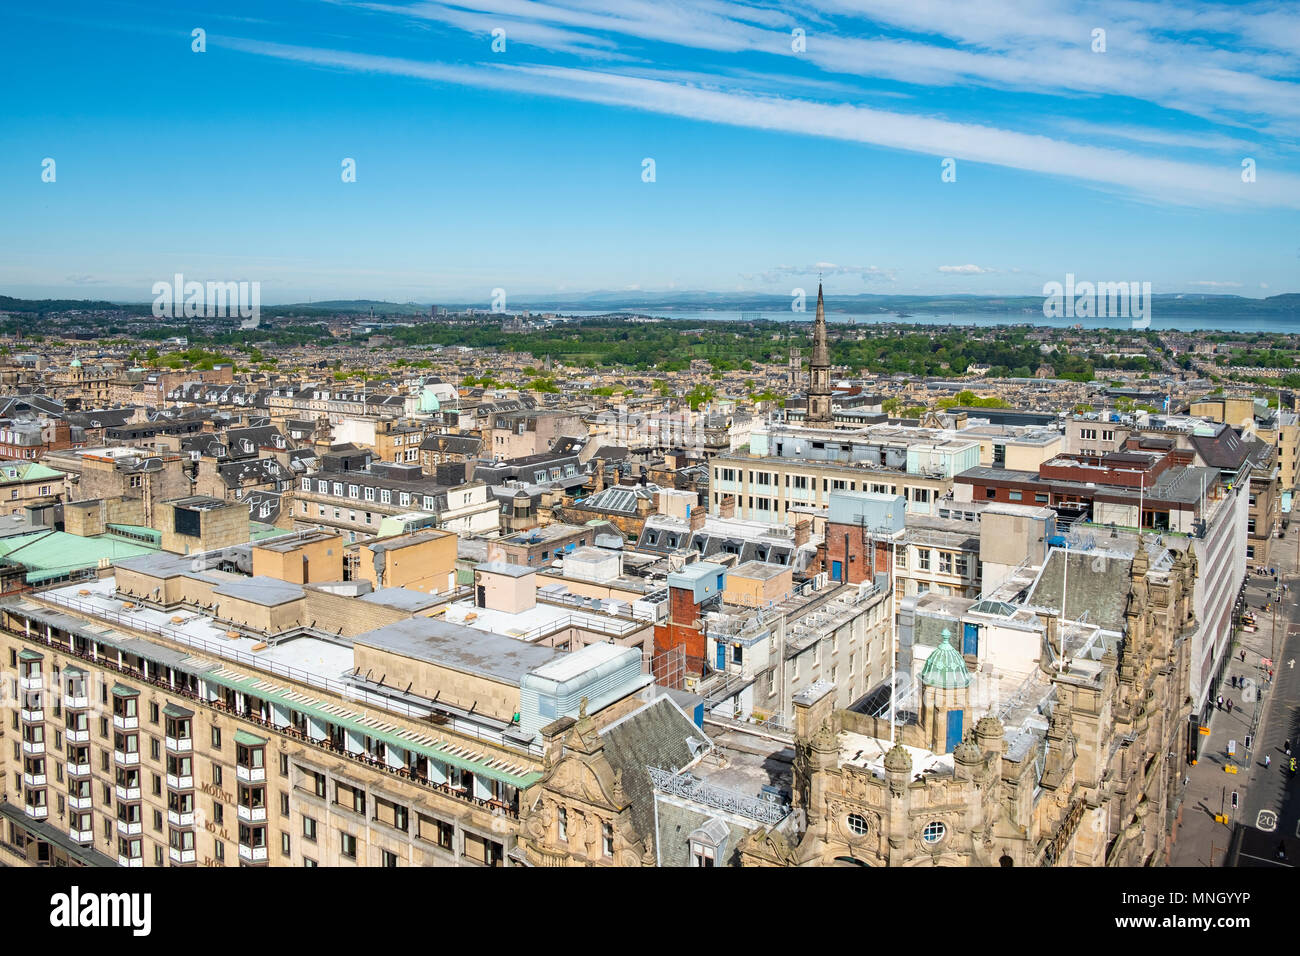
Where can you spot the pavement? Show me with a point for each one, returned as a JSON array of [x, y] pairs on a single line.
[[1267, 797]]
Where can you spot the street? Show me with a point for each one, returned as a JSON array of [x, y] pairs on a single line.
[[1266, 794]]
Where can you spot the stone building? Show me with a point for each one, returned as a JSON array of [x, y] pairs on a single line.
[[1080, 764]]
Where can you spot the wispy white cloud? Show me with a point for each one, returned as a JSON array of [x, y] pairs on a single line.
[[1212, 284], [1166, 180], [785, 273], [1200, 58], [969, 270]]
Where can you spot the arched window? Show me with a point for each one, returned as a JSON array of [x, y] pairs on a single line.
[[857, 823]]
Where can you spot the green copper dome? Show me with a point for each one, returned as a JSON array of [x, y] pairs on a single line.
[[945, 667]]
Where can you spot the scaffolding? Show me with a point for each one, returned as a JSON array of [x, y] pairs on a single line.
[[669, 668]]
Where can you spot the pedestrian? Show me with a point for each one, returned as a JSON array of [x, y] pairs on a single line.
[[1219, 702], [1268, 759], [1243, 655], [1286, 747], [1229, 705]]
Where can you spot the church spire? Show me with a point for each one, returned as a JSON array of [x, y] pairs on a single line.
[[821, 354], [819, 371]]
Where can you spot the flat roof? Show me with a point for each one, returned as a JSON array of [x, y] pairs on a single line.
[[500, 567], [460, 647], [760, 570], [283, 545], [260, 589], [403, 599]]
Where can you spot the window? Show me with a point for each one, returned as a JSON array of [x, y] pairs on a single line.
[[153, 712], [857, 823], [923, 559], [284, 766], [933, 832], [346, 796], [284, 844], [387, 859], [309, 828], [216, 774], [562, 816], [900, 557], [1015, 495], [348, 846], [607, 838], [436, 831], [284, 804], [990, 492], [218, 813], [216, 737], [945, 562], [702, 854]]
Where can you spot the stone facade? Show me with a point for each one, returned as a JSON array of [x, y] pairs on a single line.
[[1097, 789]]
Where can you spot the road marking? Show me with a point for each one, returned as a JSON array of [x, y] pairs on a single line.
[[1266, 821]]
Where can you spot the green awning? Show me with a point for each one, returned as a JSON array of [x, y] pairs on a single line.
[[121, 690], [394, 737], [176, 710], [26, 655], [249, 740]]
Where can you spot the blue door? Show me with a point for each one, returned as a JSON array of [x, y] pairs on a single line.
[[837, 571], [970, 639], [954, 731], [722, 656]]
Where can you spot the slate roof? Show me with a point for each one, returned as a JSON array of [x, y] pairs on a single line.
[[1224, 449], [466, 445], [677, 823], [653, 736], [101, 417], [258, 471]]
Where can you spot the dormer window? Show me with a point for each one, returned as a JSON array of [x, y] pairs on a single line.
[[708, 843]]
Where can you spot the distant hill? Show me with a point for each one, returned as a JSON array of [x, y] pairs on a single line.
[[1189, 304]]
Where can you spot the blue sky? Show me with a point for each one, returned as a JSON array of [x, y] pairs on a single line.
[[522, 169]]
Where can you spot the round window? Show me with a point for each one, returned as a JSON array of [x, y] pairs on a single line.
[[857, 823], [933, 832]]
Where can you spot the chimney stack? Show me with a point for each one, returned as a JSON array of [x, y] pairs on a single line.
[[728, 507], [697, 517], [802, 532]]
